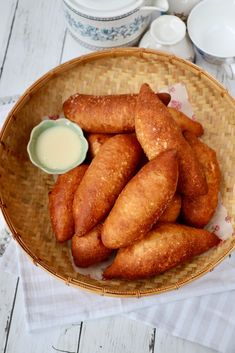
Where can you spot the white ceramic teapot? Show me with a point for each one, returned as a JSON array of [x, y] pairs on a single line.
[[110, 23]]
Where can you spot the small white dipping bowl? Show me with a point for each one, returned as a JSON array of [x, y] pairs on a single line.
[[47, 124]]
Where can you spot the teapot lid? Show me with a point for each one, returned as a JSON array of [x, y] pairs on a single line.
[[104, 8]]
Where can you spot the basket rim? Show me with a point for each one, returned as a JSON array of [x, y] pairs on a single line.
[[116, 52]]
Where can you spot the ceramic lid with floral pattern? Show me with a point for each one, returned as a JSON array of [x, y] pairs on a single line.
[[105, 8]]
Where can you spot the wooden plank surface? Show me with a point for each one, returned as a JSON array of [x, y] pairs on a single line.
[[63, 339], [116, 334], [8, 292], [7, 11], [35, 45], [72, 48], [166, 343]]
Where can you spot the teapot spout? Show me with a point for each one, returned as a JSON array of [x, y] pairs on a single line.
[[157, 5], [162, 5]]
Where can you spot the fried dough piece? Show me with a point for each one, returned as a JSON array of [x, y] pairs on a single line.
[[172, 212], [89, 250], [61, 202], [95, 142], [105, 178], [105, 114], [166, 246], [142, 201], [157, 131], [185, 123], [197, 211]]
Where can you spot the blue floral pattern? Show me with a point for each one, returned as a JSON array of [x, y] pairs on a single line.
[[105, 34]]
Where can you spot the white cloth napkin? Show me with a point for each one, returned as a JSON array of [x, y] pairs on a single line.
[[202, 311]]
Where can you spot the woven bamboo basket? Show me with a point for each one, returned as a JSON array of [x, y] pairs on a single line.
[[24, 188]]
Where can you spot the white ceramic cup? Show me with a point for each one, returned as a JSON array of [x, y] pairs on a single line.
[[181, 8], [211, 27], [110, 23], [168, 33]]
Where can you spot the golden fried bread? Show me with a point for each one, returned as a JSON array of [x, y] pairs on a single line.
[[61, 202], [172, 211], [197, 211], [142, 201], [89, 250], [105, 114], [105, 178], [185, 123], [166, 246], [95, 141], [157, 131]]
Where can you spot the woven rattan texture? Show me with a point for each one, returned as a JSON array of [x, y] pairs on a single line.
[[24, 188]]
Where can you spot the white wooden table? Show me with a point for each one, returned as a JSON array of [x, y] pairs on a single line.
[[33, 39]]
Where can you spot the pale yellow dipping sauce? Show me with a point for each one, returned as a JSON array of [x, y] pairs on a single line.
[[58, 147]]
